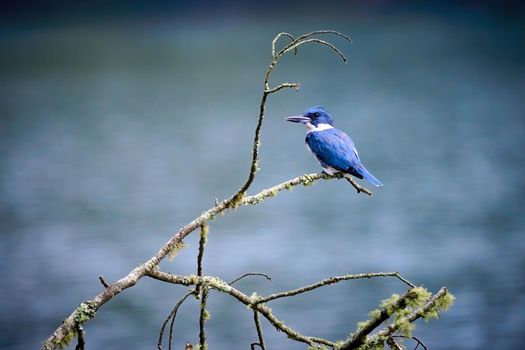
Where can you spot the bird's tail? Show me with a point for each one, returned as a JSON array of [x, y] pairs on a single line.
[[368, 176]]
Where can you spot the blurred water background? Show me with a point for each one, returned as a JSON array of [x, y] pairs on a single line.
[[119, 125]]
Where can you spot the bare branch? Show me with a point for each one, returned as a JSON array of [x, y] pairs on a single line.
[[283, 86], [202, 291], [274, 41], [202, 244], [202, 318], [305, 180], [259, 329], [326, 282], [321, 32], [319, 41], [103, 281], [404, 280], [172, 316], [250, 274], [417, 340], [294, 44], [81, 344], [358, 188]]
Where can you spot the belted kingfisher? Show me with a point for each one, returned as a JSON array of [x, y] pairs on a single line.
[[333, 148]]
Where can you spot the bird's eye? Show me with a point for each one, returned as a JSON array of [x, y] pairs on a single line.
[[317, 114]]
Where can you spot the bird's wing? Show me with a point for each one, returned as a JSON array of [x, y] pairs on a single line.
[[334, 148]]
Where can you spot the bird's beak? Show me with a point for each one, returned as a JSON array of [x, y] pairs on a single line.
[[298, 119]]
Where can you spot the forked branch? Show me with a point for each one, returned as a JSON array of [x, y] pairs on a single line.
[[258, 304]]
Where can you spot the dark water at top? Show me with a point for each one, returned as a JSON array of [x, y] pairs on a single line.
[[115, 134]]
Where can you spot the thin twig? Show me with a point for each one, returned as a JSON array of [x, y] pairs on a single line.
[[320, 32], [202, 244], [308, 35], [404, 280], [172, 316], [250, 274], [358, 188], [274, 41], [326, 282], [283, 86], [204, 293], [259, 329], [318, 41], [418, 341], [103, 281], [81, 344], [305, 180], [202, 318]]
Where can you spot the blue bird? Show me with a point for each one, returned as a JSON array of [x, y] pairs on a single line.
[[333, 148]]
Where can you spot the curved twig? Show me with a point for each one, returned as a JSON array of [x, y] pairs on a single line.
[[250, 274], [357, 187], [274, 41], [308, 35], [326, 282], [319, 41], [172, 316], [417, 340], [321, 32]]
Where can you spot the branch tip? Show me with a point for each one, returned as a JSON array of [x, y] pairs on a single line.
[[250, 274], [103, 282]]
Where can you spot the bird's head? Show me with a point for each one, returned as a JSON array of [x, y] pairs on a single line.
[[313, 118]]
